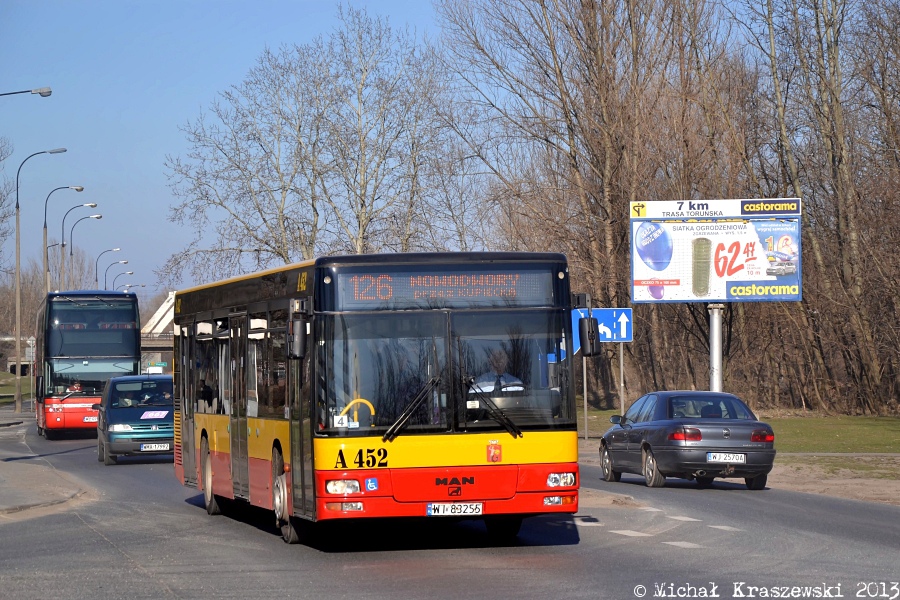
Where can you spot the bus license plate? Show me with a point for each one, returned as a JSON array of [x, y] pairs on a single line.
[[725, 457], [454, 509], [90, 419], [154, 447]]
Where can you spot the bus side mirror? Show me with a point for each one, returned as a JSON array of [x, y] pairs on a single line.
[[39, 388], [297, 341], [587, 331]]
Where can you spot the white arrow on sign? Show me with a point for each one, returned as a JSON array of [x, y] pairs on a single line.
[[623, 324], [604, 331]]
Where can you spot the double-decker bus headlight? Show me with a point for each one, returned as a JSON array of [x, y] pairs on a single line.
[[342, 486], [560, 479], [344, 506], [120, 427]]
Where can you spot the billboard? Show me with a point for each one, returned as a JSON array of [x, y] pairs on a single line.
[[716, 250]]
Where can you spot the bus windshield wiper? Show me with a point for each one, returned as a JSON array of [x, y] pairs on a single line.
[[492, 409], [404, 418]]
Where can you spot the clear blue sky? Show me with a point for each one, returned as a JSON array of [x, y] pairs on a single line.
[[125, 75]]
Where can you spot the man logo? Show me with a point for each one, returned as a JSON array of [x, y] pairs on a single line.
[[454, 481], [454, 491]]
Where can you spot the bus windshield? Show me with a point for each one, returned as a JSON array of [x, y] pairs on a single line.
[[84, 377], [87, 326], [374, 366]]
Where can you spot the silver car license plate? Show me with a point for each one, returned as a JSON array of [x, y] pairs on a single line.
[[725, 457]]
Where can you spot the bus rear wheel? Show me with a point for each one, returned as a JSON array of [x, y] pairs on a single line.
[[280, 500], [209, 499]]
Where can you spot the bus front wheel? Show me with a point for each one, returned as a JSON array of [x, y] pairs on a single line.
[[280, 500], [212, 505]]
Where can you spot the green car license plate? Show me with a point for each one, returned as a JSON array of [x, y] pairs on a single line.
[[152, 447]]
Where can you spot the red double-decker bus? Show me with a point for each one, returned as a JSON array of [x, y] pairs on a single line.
[[431, 385], [83, 338]]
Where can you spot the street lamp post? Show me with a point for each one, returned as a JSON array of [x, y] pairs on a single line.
[[105, 273], [72, 242], [77, 188], [44, 92], [97, 265], [18, 394], [62, 247], [119, 275]]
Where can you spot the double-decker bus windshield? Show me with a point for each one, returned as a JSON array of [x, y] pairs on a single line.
[[88, 340], [502, 369]]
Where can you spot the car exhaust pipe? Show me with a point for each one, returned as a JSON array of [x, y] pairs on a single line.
[[700, 473]]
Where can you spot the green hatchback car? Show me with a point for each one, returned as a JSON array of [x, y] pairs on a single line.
[[135, 417]]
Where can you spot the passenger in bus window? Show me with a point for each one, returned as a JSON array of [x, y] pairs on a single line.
[[75, 386], [206, 395]]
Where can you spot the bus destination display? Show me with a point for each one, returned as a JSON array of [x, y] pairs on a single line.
[[379, 290]]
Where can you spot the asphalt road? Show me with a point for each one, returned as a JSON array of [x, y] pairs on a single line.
[[135, 532]]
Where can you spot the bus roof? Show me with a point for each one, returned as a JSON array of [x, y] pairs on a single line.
[[393, 258], [90, 293]]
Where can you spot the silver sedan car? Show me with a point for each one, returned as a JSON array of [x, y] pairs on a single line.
[[688, 434]]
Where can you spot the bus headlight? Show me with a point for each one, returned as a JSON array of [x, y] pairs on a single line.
[[120, 427], [342, 486], [560, 479]]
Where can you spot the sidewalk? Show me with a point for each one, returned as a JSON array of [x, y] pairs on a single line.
[[27, 481]]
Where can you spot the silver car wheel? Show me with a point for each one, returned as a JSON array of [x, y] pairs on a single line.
[[651, 470], [606, 466]]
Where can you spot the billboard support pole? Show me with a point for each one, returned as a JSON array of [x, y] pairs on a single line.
[[715, 347]]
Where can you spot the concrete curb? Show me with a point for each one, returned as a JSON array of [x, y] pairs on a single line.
[[26, 507]]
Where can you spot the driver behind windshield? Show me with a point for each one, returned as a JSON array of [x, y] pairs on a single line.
[[497, 380]]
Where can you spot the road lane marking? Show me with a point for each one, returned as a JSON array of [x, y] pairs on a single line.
[[685, 519], [683, 544], [631, 533], [725, 528]]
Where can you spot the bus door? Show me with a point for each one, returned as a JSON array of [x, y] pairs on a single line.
[[184, 377], [238, 419], [302, 480]]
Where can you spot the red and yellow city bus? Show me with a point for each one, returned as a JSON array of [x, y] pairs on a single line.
[[83, 337], [387, 385]]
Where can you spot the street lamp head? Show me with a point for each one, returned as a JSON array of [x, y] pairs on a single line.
[[77, 188], [90, 205], [114, 249], [123, 262], [44, 91], [95, 216], [56, 151]]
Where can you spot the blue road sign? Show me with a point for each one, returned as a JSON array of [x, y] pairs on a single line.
[[613, 325]]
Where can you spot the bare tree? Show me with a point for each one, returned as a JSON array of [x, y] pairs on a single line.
[[326, 147]]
